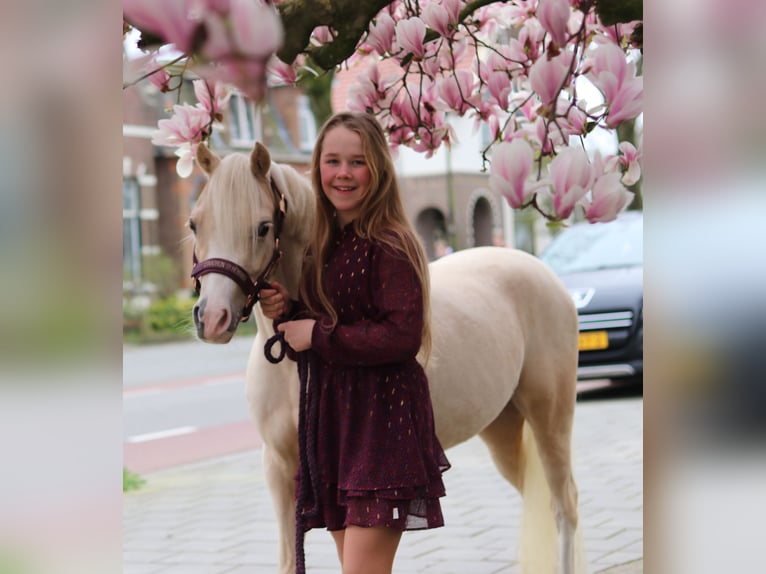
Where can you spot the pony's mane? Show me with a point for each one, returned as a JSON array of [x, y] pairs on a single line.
[[235, 200]]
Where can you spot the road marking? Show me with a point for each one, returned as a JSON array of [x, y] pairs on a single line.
[[203, 444], [151, 389], [141, 393], [161, 434]]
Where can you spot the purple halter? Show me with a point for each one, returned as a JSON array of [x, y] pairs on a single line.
[[236, 272]]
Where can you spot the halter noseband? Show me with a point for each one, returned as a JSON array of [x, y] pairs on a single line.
[[237, 273]]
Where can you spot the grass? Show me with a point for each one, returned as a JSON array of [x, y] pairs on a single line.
[[131, 481]]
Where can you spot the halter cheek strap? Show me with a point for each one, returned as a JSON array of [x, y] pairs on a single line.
[[239, 274]]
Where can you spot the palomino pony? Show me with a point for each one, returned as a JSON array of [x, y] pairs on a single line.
[[504, 356]]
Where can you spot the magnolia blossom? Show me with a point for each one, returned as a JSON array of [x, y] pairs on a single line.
[[627, 162], [436, 17], [381, 33], [186, 153], [280, 72], [188, 123], [458, 91], [410, 34], [160, 78], [168, 19], [256, 27], [509, 172], [499, 85], [321, 35], [453, 8], [548, 77], [608, 199], [554, 17], [363, 95], [239, 35], [616, 79], [211, 99], [571, 178], [187, 127]]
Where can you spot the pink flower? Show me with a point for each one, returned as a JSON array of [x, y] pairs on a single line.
[[627, 163], [256, 27], [249, 75], [548, 77], [212, 100], [168, 19], [281, 73], [571, 178], [627, 103], [187, 124], [410, 34], [510, 169], [453, 10], [499, 88], [363, 95], [458, 91], [381, 34], [616, 78], [186, 153], [218, 43], [608, 199], [437, 18], [322, 35], [554, 16], [403, 112], [160, 78]]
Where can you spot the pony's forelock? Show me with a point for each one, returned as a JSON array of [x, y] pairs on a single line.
[[236, 196]]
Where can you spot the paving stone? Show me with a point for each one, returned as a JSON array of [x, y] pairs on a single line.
[[216, 517]]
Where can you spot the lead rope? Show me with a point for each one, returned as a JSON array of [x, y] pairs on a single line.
[[308, 410]]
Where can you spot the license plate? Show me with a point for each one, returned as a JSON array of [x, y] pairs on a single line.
[[594, 340]]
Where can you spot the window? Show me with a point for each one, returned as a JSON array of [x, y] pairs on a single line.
[[244, 122], [306, 125], [131, 232]]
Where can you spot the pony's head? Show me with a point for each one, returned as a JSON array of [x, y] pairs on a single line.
[[234, 225]]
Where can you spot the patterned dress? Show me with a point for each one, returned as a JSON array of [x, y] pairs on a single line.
[[378, 459]]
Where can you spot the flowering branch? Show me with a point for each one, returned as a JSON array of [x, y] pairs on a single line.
[[514, 65]]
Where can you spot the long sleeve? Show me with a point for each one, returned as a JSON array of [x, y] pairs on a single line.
[[392, 331]]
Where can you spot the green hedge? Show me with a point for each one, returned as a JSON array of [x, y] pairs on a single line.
[[167, 319]]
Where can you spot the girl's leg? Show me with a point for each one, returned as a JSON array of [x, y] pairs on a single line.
[[338, 536], [369, 550]]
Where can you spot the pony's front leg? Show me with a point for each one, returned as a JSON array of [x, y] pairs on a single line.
[[566, 544], [280, 473]]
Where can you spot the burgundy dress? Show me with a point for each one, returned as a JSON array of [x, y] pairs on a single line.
[[378, 459]]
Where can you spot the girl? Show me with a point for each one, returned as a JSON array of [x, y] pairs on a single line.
[[364, 314]]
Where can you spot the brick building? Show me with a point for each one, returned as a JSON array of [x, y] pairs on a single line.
[[157, 202]]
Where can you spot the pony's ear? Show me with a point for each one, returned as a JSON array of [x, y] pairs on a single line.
[[206, 159], [260, 160]]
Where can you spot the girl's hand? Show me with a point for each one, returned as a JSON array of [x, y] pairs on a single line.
[[275, 302], [298, 333]]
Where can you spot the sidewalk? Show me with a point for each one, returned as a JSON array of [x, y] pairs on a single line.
[[216, 517]]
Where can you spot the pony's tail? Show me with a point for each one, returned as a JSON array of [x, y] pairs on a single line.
[[538, 547]]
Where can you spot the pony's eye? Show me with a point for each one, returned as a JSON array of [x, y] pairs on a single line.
[[263, 228], [192, 226]]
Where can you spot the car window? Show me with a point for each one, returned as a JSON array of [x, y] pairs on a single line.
[[590, 247]]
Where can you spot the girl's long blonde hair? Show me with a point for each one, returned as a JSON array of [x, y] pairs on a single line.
[[382, 217]]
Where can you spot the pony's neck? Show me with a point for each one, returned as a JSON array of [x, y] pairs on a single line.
[[288, 272]]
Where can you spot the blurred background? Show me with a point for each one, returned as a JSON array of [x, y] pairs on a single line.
[[60, 303]]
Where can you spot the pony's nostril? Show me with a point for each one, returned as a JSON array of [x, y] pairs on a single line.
[[195, 313], [223, 322]]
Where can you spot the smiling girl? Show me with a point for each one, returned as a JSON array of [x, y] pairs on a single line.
[[364, 314]]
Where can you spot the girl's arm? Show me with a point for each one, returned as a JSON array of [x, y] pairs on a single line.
[[393, 334]]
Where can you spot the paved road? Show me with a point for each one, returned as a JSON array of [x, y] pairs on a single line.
[[216, 517], [185, 402]]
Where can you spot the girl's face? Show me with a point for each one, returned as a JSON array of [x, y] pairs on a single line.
[[344, 172]]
